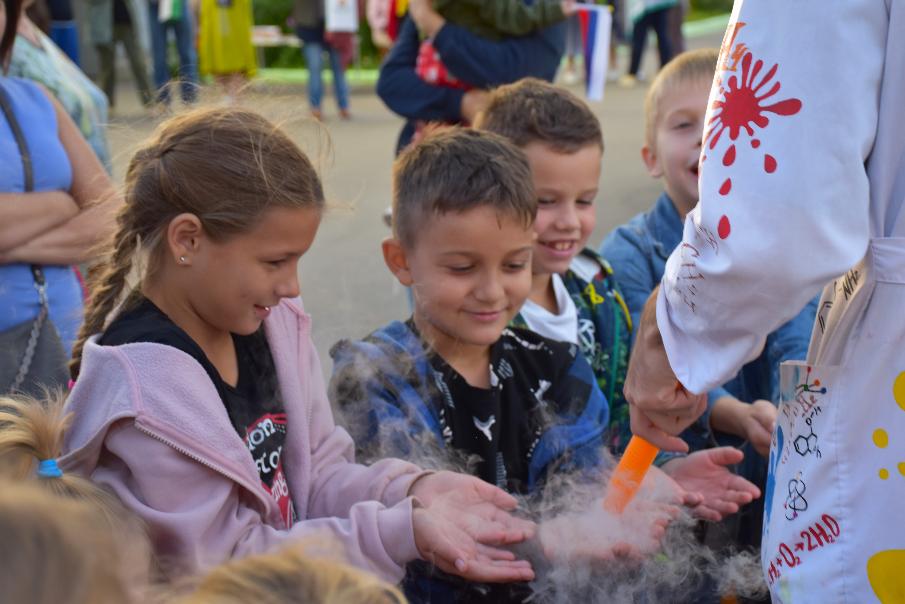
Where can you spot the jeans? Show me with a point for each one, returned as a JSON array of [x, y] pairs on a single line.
[[185, 45], [659, 20], [314, 54]]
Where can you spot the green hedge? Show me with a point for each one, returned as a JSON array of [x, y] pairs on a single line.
[[717, 6]]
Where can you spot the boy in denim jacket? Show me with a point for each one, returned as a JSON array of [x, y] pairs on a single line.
[[742, 412]]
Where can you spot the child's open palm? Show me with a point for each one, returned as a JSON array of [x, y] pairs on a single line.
[[707, 472], [598, 536], [463, 521]]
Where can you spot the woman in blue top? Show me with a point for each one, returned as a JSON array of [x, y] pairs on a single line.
[[45, 230]]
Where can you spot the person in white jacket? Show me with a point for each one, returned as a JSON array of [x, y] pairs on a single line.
[[802, 186]]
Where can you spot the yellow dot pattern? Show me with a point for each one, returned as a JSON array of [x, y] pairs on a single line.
[[902, 468], [881, 438], [898, 390], [884, 571], [884, 474]]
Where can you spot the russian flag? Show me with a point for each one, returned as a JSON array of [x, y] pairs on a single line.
[[596, 24]]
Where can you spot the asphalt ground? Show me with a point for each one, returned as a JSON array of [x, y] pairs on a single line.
[[345, 285]]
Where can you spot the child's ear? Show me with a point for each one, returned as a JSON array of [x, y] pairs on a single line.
[[396, 260], [651, 162], [184, 235]]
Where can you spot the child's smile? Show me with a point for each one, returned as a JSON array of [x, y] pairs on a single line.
[[564, 248], [566, 185], [471, 273]]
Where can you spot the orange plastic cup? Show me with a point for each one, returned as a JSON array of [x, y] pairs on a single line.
[[628, 475]]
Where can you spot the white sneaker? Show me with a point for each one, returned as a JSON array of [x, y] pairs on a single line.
[[628, 81], [569, 77]]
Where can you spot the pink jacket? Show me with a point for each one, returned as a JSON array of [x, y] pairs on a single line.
[[149, 425]]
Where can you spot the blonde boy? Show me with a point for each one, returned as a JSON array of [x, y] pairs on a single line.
[[743, 410]]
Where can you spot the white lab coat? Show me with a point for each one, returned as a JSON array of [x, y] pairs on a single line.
[[810, 196]]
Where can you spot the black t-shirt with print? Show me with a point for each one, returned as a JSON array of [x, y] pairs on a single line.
[[529, 385], [253, 405]]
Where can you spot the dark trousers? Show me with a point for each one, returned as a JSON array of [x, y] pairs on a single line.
[[676, 18], [126, 35], [659, 21]]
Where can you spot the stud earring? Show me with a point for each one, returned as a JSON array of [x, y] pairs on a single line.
[[181, 259]]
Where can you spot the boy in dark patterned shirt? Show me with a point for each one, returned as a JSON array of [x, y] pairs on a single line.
[[455, 382], [574, 297]]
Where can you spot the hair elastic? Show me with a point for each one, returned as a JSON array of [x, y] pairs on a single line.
[[48, 468]]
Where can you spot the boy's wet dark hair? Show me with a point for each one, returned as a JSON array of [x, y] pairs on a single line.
[[534, 111], [456, 170]]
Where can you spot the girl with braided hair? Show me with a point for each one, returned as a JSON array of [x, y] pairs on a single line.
[[198, 395]]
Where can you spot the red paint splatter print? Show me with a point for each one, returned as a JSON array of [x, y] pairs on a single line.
[[743, 106], [746, 97], [724, 228]]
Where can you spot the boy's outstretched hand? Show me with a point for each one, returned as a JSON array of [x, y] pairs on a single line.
[[463, 521], [707, 473], [598, 536]]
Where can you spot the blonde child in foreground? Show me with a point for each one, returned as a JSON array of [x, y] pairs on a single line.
[[198, 397], [64, 539], [68, 541], [291, 576]]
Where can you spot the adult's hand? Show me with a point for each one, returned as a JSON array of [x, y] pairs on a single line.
[[473, 102], [381, 38], [24, 216], [660, 407], [463, 521], [428, 20], [707, 473], [76, 239]]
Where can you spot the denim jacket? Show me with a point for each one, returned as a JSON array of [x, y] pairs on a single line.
[[638, 251]]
